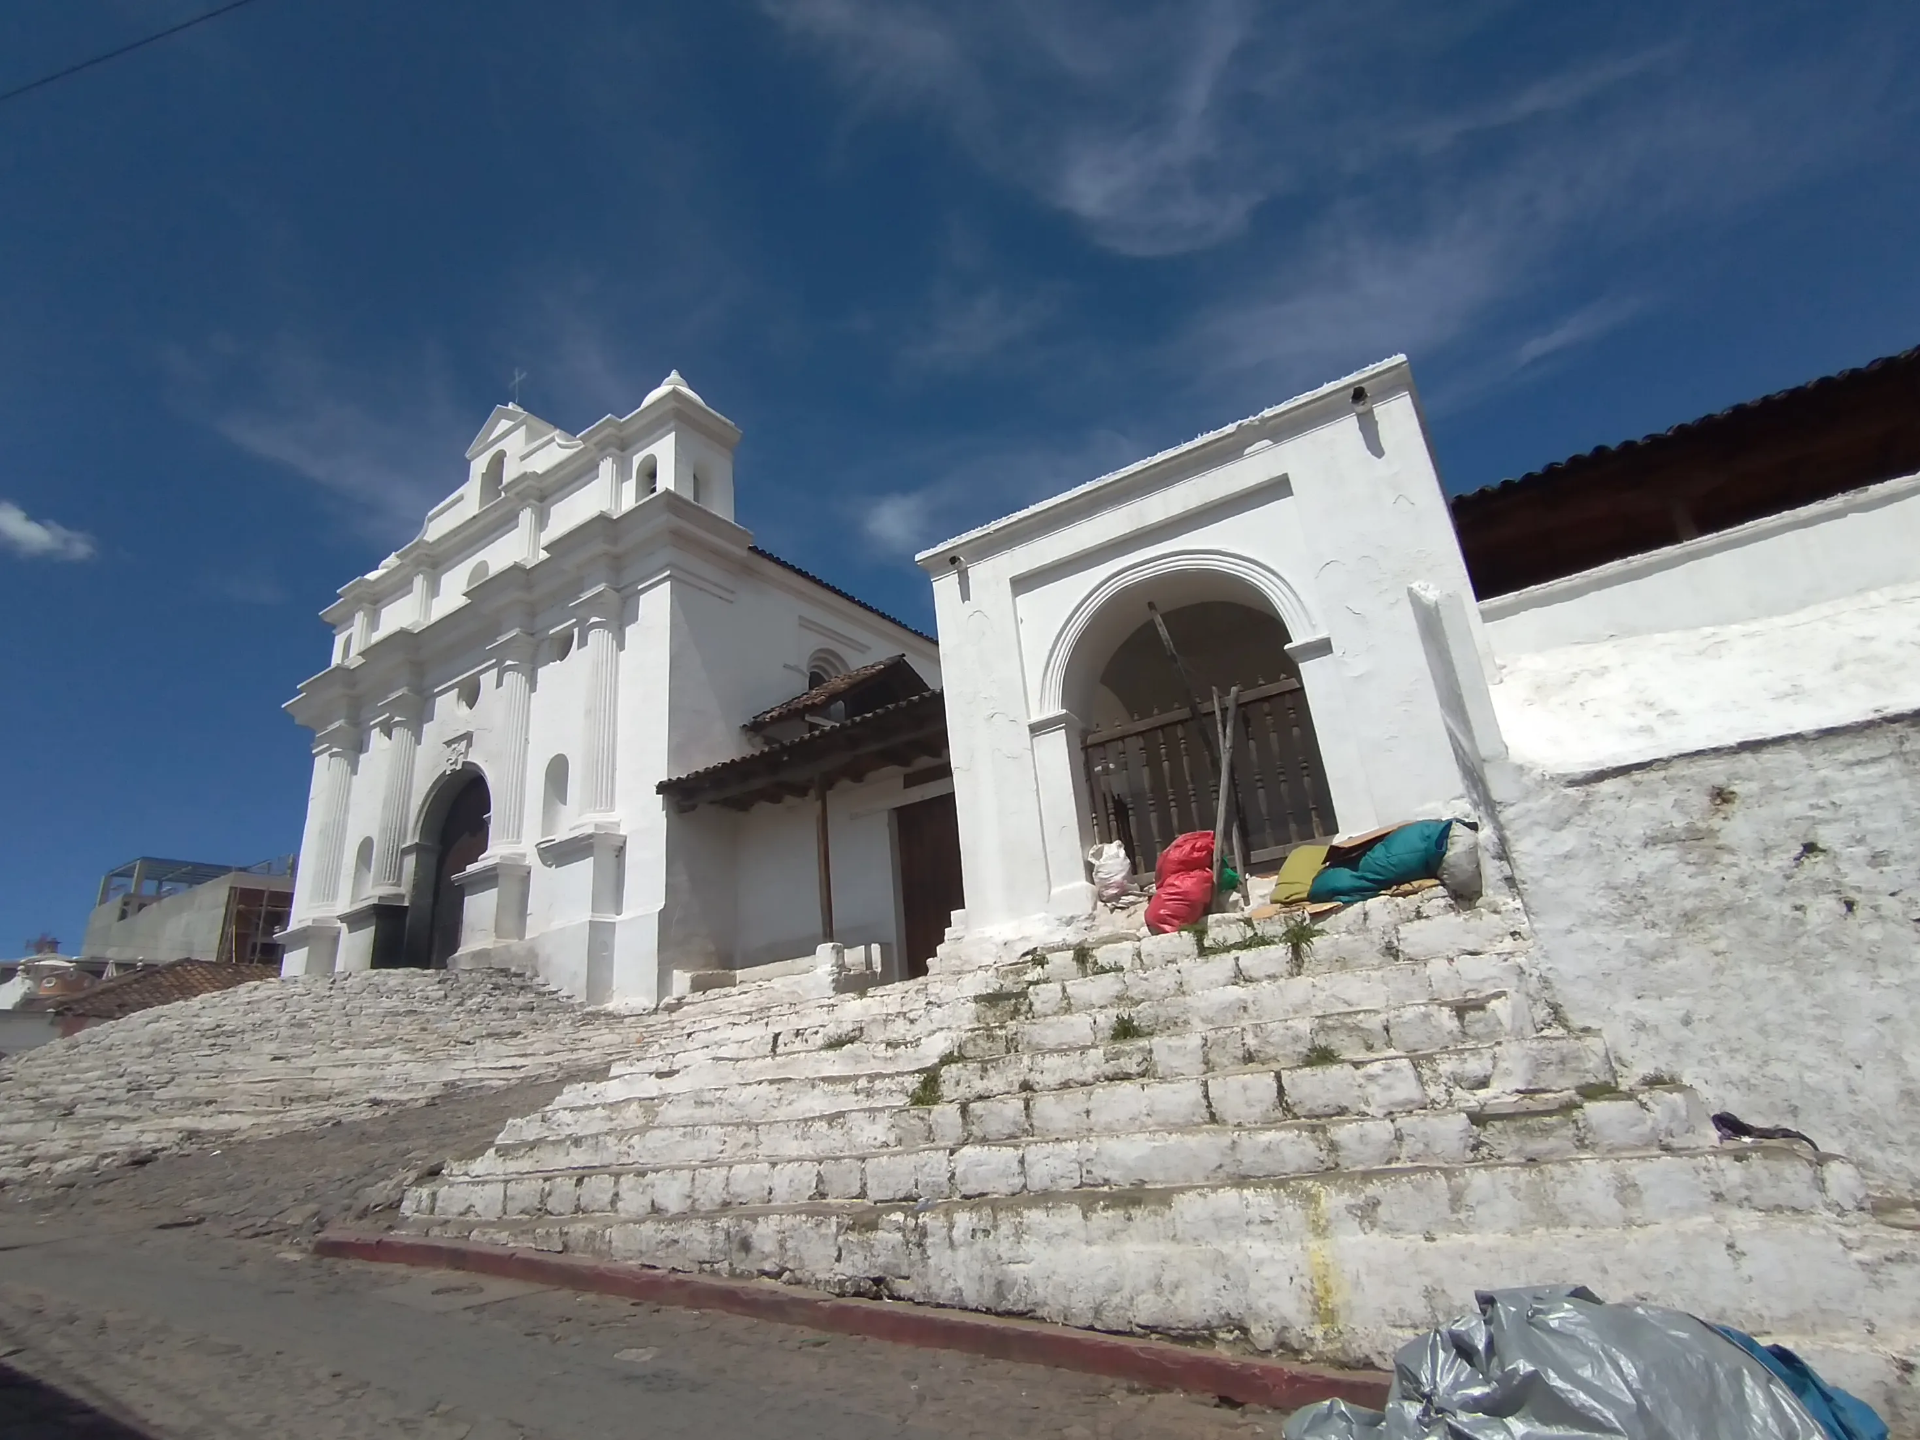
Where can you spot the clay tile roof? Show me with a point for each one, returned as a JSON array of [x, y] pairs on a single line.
[[891, 735], [144, 989], [904, 676], [836, 590], [1721, 420]]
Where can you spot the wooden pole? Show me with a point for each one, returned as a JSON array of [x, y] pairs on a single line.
[[1186, 682], [1221, 806], [826, 861]]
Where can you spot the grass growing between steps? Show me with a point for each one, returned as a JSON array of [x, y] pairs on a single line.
[[1321, 1053], [926, 1090], [1125, 1027]]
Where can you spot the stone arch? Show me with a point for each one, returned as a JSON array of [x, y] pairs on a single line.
[[1146, 764], [1104, 617], [430, 894]]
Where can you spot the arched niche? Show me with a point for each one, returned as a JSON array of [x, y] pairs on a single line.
[[492, 478], [553, 798], [363, 870]]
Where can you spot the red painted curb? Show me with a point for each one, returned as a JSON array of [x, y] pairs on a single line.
[[1154, 1363]]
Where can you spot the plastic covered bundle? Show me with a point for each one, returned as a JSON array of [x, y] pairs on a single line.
[[1112, 870], [1560, 1364]]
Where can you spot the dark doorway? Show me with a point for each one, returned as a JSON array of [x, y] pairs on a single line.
[[463, 840], [1150, 774], [928, 833]]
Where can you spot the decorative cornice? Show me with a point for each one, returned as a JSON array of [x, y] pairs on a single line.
[[342, 737], [490, 868], [405, 706], [565, 849], [516, 648]]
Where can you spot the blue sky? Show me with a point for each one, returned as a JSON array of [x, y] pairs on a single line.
[[261, 283]]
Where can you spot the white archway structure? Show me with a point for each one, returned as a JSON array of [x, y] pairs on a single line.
[[1321, 511], [1103, 619]]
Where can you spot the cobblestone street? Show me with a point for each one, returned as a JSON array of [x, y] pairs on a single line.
[[176, 1299]]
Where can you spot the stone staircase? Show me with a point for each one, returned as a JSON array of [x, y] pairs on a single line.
[[283, 1055], [1314, 1149]]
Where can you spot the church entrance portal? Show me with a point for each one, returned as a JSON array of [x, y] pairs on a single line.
[[1149, 767], [462, 840]]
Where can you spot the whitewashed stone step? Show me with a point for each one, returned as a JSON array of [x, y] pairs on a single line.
[[643, 1133], [1441, 1005], [978, 1157], [1057, 987], [1344, 1266], [1373, 1084]]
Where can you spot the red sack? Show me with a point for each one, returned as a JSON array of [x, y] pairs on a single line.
[[1180, 899], [1191, 851]]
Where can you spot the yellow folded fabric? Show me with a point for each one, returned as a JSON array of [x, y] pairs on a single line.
[[1296, 874]]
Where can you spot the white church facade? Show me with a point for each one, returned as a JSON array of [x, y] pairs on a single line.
[[582, 726], [580, 621]]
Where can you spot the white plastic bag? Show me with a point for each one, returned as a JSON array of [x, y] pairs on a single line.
[[1460, 866], [1112, 870]]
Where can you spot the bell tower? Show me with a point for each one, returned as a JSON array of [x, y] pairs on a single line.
[[688, 447]]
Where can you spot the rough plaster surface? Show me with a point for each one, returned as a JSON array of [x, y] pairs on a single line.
[[1620, 702], [1748, 920]]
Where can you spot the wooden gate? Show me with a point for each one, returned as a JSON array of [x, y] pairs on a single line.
[[1150, 780]]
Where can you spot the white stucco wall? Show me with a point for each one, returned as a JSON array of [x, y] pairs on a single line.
[[1324, 514], [1712, 823], [1747, 919], [1867, 539], [1615, 702]]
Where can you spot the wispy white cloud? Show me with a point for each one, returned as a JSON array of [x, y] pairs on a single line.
[[1363, 199], [33, 539], [971, 484], [382, 448], [968, 325], [1589, 322], [1117, 122]]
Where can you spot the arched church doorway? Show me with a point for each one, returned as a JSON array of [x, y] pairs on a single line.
[[461, 840], [1149, 758]]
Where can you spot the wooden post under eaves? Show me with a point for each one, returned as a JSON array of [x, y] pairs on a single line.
[[826, 862]]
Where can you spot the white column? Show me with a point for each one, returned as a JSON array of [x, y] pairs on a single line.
[[514, 653], [337, 745], [599, 613], [401, 718], [609, 482], [530, 532], [1059, 776]]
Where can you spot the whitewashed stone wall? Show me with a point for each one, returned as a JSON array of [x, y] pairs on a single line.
[[1747, 920]]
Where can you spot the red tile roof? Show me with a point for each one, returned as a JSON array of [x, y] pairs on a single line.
[[144, 989]]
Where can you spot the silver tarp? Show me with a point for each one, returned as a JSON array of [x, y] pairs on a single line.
[[1559, 1364]]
